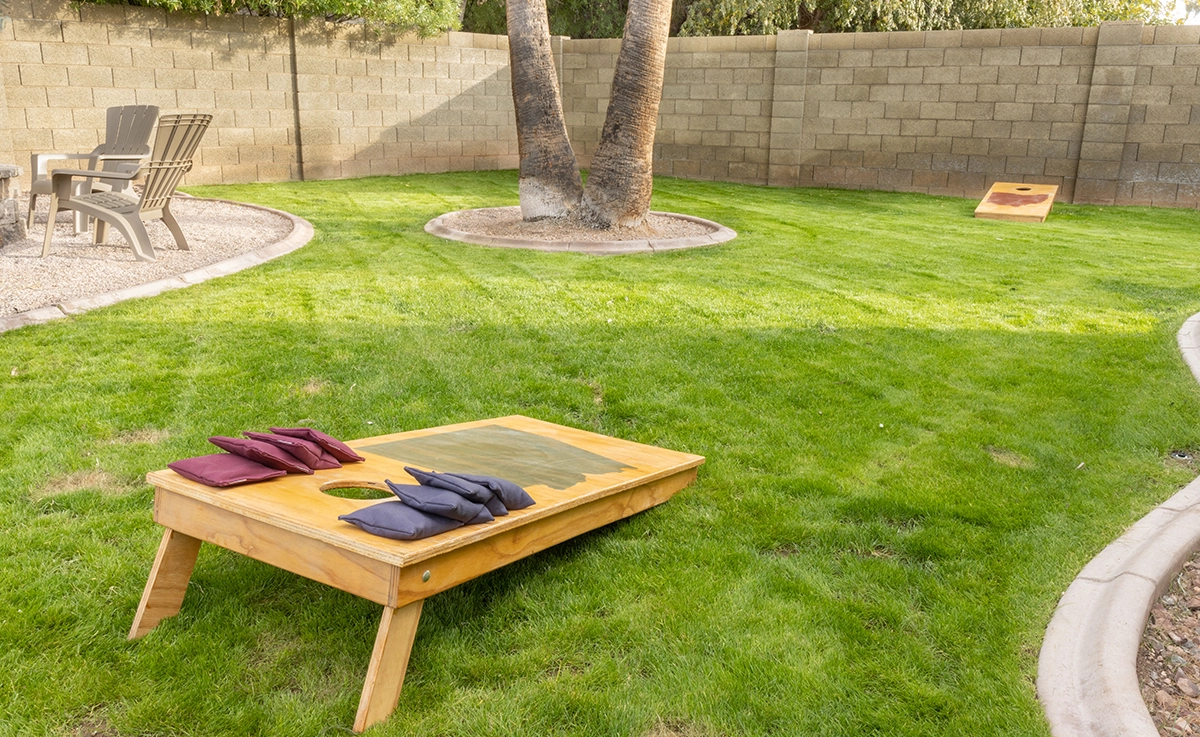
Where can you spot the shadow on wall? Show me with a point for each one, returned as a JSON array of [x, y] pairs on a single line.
[[418, 126]]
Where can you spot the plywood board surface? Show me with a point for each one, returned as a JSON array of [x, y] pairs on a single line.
[[1018, 202]]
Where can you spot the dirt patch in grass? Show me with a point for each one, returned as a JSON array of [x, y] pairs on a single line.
[[148, 436], [313, 387], [94, 726], [1006, 457], [675, 728], [96, 480]]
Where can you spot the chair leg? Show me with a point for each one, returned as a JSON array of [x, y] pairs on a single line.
[[50, 225], [100, 233], [80, 222], [173, 226], [134, 231], [32, 204]]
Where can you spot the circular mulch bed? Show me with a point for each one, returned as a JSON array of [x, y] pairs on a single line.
[[503, 227]]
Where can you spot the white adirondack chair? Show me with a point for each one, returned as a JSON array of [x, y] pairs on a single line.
[[176, 141], [126, 141]]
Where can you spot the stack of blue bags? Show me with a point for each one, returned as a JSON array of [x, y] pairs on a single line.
[[439, 502]]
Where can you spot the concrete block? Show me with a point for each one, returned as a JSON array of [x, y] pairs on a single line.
[[1173, 75], [1013, 111], [1110, 95], [1120, 33], [898, 144], [926, 57], [43, 75], [1017, 75], [1186, 134], [934, 144], [978, 75], [940, 75], [1117, 55], [1177, 35], [1041, 55], [1021, 37], [84, 76], [996, 93]]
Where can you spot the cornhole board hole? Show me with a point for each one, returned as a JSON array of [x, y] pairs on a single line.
[[579, 481], [1021, 203]]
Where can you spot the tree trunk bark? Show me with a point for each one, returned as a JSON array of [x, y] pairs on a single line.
[[620, 180], [549, 185]]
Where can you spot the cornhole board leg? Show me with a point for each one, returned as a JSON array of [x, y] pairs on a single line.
[[163, 595], [389, 662]]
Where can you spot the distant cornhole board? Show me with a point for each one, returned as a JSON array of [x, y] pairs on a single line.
[[1022, 203]]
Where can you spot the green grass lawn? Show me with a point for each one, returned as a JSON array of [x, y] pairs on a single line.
[[919, 426]]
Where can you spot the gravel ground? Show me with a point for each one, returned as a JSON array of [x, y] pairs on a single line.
[[506, 222], [75, 268], [1169, 659]]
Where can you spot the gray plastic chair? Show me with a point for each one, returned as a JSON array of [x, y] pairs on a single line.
[[126, 141], [176, 141]]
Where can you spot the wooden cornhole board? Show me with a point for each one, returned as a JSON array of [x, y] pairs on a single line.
[[1022, 203], [580, 481]]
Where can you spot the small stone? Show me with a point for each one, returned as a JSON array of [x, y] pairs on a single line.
[[1154, 644], [1168, 600], [1194, 603], [1182, 725], [1164, 699], [1174, 637], [1174, 659], [1187, 687]]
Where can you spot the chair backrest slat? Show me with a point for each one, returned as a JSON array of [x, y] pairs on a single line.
[[176, 142], [128, 130]]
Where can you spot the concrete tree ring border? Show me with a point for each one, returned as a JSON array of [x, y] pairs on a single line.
[[302, 233], [1087, 670], [719, 234]]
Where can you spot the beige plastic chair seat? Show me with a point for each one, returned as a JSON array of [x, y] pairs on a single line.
[[177, 139]]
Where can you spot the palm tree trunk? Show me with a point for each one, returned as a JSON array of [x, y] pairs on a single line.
[[620, 180], [549, 185]]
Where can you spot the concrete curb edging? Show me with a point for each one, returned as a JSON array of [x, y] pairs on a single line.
[[1087, 669], [719, 234], [302, 233]]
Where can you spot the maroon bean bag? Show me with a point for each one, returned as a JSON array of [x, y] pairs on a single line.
[[223, 469]]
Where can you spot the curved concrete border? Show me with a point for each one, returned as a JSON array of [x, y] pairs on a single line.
[[302, 233], [1087, 678], [719, 234]]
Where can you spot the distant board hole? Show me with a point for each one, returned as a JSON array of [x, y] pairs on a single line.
[[1024, 189], [357, 489]]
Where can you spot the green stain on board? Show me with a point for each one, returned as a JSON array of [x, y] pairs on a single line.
[[493, 450]]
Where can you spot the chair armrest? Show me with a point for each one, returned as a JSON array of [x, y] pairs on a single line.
[[93, 174], [37, 162]]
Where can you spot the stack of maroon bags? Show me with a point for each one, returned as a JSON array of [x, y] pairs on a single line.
[[260, 456]]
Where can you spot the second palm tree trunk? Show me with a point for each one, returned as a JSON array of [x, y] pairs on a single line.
[[621, 178]]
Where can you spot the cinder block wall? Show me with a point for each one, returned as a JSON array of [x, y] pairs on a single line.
[[715, 114], [1111, 114], [352, 104]]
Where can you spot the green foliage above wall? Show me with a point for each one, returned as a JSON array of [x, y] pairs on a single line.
[[426, 17], [748, 17], [606, 18]]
